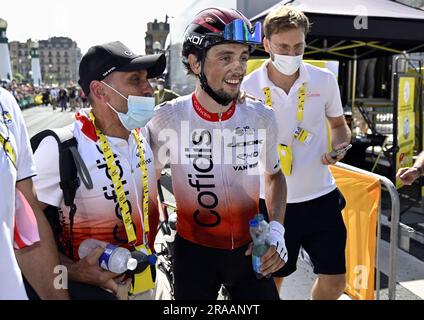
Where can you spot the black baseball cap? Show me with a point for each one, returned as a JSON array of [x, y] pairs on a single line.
[[102, 60]]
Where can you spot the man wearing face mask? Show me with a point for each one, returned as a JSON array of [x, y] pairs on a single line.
[[162, 94], [110, 141], [215, 144], [304, 98]]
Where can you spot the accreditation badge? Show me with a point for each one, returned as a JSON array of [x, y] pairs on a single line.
[[144, 280], [303, 135]]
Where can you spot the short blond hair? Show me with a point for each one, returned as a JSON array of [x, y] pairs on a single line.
[[284, 18]]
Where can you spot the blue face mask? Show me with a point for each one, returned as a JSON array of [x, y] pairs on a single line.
[[140, 110]]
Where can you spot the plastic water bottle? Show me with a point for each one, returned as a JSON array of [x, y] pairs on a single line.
[[259, 233], [263, 225], [115, 259]]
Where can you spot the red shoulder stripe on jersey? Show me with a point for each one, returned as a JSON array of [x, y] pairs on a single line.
[[205, 114], [19, 243], [87, 126]]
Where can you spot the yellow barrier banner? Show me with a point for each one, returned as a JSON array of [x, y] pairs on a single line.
[[362, 194], [406, 124]]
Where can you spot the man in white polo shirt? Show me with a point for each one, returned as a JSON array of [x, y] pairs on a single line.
[[303, 98]]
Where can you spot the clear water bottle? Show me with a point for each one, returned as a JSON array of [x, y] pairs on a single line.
[[115, 259], [259, 233], [263, 225]]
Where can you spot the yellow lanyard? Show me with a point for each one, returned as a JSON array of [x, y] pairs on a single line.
[[300, 108], [117, 183], [8, 148], [300, 103], [145, 182], [268, 99]]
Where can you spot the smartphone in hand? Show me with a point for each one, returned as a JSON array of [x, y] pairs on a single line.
[[336, 153]]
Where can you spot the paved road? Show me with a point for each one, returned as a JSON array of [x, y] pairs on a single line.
[[40, 118], [410, 270]]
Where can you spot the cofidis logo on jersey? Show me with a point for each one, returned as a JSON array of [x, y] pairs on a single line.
[[202, 180]]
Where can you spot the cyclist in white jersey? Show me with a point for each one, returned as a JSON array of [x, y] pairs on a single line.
[[216, 146]]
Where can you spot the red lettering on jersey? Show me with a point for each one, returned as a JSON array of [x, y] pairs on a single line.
[[205, 114]]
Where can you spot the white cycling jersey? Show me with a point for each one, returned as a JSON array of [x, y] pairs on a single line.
[[98, 215], [214, 162]]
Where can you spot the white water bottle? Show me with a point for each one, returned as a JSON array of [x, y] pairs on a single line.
[[115, 259]]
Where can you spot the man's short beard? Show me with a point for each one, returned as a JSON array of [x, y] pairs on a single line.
[[226, 96]]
